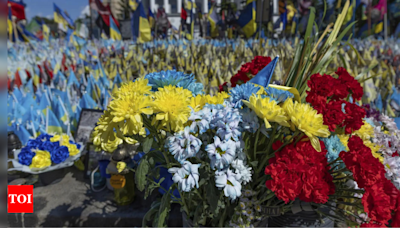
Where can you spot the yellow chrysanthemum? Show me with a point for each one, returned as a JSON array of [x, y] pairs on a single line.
[[138, 86], [41, 159], [171, 106], [198, 102], [374, 150], [365, 132], [112, 144], [307, 120], [104, 136], [344, 139], [128, 109], [268, 110]]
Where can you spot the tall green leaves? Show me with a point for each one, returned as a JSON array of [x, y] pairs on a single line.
[[312, 56]]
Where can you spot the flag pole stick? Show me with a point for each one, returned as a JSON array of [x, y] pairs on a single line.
[[91, 22], [385, 22], [261, 17], [369, 16]]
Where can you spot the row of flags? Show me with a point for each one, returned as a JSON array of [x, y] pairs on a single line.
[[142, 23]]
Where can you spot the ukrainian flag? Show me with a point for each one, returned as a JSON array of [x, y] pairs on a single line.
[[247, 19], [133, 4], [152, 19], [141, 27], [61, 17], [46, 32], [213, 18], [191, 6], [52, 124], [114, 32], [9, 20]]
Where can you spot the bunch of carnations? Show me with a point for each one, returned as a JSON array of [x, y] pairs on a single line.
[[247, 71]]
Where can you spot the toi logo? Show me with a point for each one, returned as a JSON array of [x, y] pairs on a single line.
[[20, 198]]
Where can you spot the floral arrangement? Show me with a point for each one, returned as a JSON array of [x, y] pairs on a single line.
[[46, 150], [247, 71], [227, 158]]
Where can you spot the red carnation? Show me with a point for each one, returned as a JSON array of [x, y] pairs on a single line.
[[239, 78], [317, 101], [395, 154], [245, 68], [322, 84], [396, 216], [300, 171], [391, 191], [366, 169], [333, 114], [376, 204], [259, 62], [354, 117], [348, 81]]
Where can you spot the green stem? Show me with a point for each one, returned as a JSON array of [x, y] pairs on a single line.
[[255, 144], [184, 203], [221, 221]]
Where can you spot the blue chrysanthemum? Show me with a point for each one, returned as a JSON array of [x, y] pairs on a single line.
[[242, 92], [277, 94], [176, 78], [334, 147]]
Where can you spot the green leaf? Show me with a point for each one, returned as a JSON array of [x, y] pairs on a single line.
[[343, 61], [254, 163], [310, 23], [141, 172], [153, 210], [323, 15], [147, 144], [165, 207], [212, 196], [343, 33], [360, 76], [197, 214]]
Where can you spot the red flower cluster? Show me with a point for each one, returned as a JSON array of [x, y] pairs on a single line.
[[381, 196], [300, 171], [325, 88], [247, 71]]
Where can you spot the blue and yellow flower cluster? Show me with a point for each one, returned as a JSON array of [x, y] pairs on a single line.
[[47, 149]]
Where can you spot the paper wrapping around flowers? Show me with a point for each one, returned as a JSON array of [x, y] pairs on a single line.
[[26, 169]]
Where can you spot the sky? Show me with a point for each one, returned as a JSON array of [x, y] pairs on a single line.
[[44, 8]]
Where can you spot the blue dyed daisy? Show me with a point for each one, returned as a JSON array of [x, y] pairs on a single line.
[[277, 94], [176, 78], [242, 92], [334, 147]]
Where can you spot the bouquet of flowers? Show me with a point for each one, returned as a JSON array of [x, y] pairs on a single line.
[[227, 159], [46, 152]]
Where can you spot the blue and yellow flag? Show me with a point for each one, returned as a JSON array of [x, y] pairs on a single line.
[[61, 17], [9, 21], [152, 19], [114, 31], [140, 25], [247, 19], [133, 4], [52, 124], [213, 19]]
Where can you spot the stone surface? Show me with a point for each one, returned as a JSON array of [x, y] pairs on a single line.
[[71, 202]]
